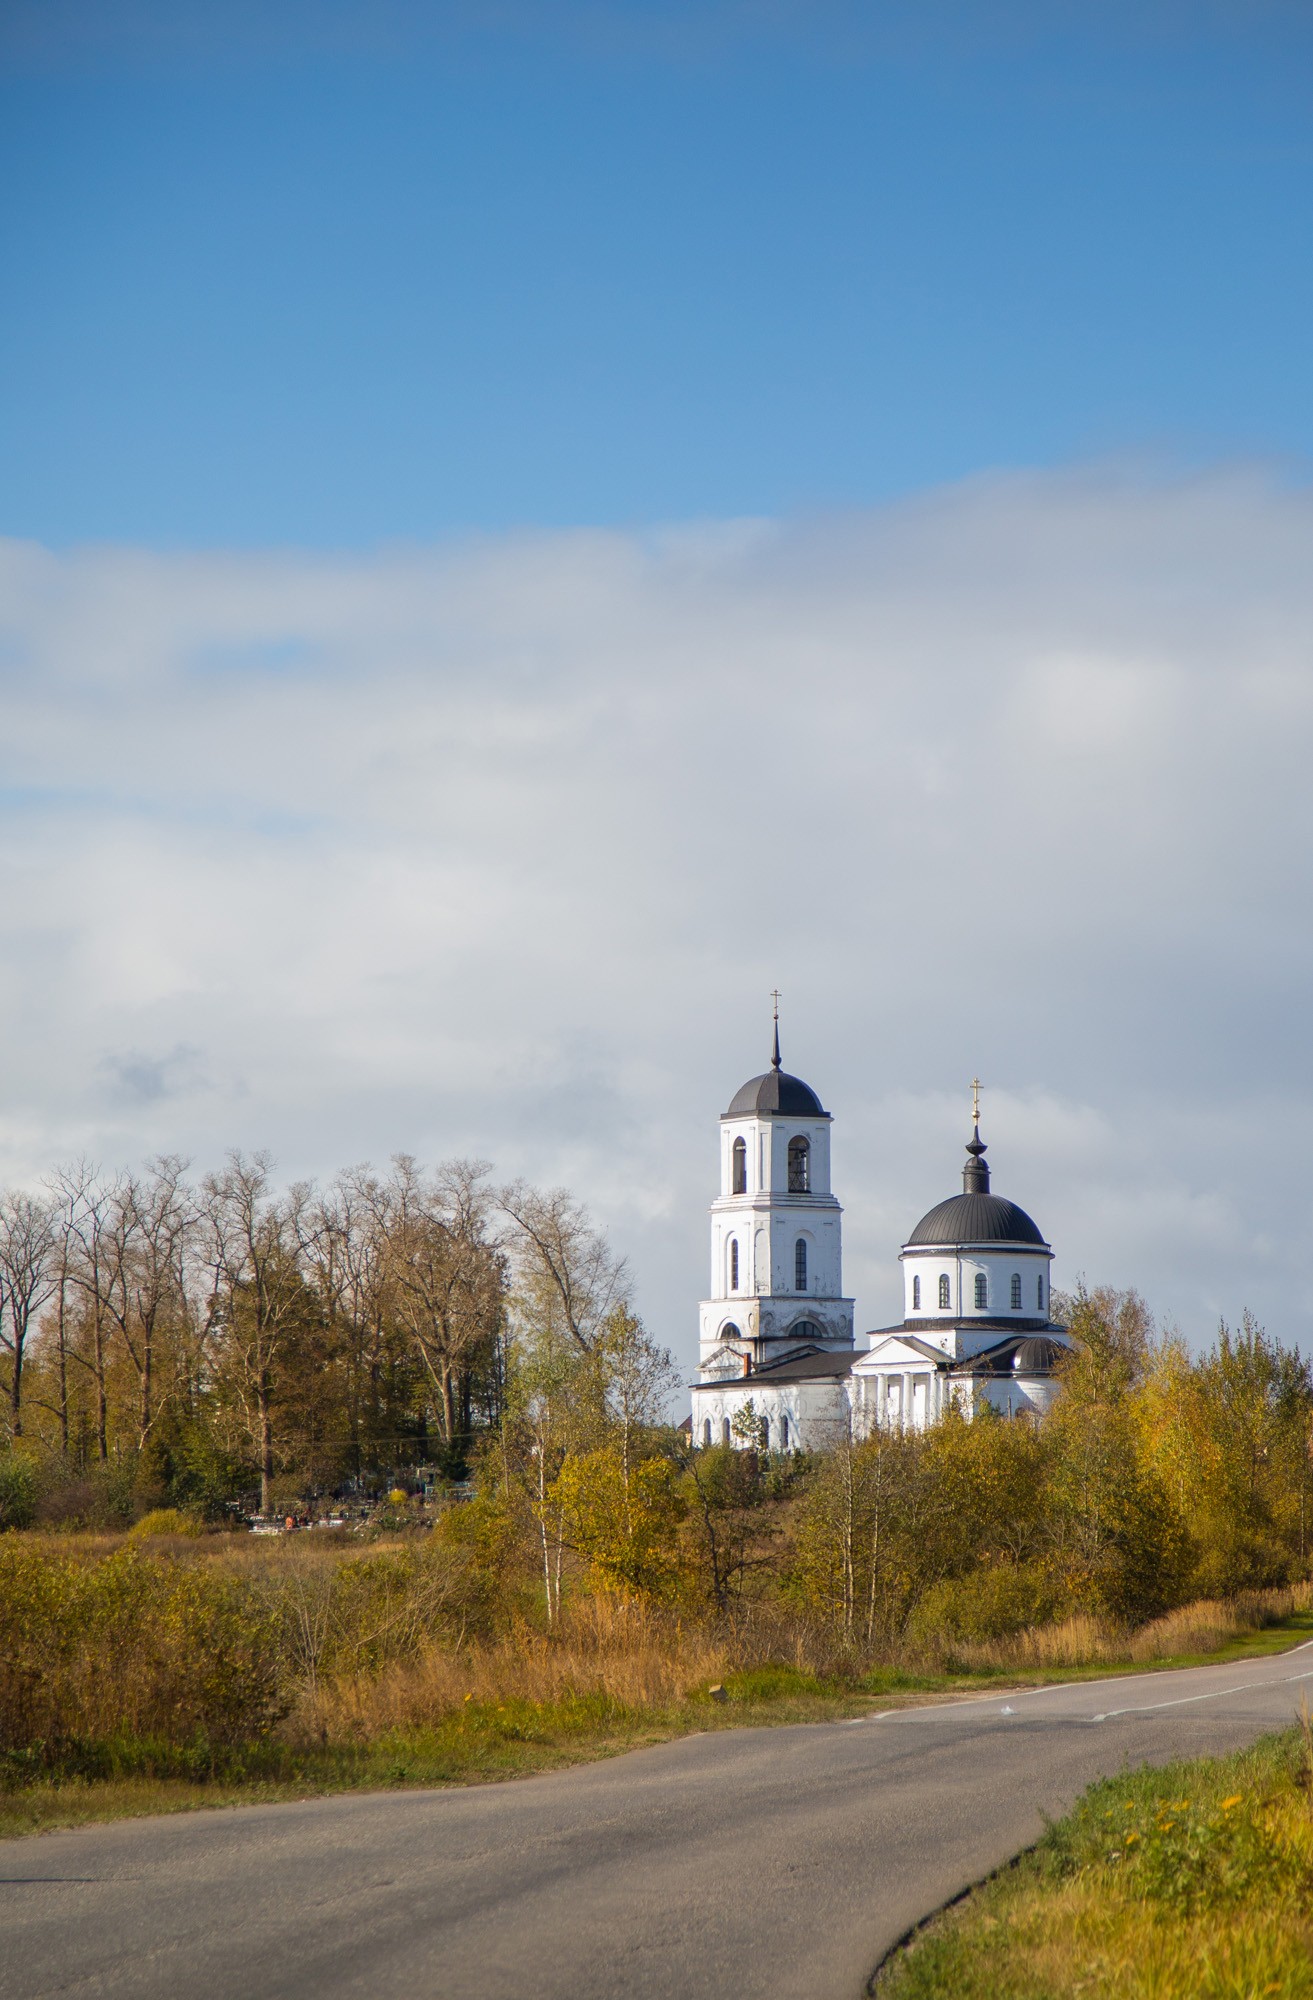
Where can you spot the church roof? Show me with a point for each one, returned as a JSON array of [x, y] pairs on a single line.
[[976, 1218], [776, 1091], [1031, 1355], [975, 1215], [803, 1366]]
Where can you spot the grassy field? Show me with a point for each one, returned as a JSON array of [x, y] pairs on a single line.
[[1194, 1882], [494, 1733], [481, 1741]]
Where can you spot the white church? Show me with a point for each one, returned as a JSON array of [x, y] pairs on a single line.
[[777, 1345]]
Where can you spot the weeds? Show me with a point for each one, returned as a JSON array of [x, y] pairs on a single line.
[[1190, 1883], [222, 1661]]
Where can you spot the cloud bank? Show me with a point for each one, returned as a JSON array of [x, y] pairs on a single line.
[[499, 846]]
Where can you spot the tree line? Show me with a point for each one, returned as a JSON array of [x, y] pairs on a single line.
[[223, 1343], [195, 1342]]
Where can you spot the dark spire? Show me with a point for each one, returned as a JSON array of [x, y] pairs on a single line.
[[775, 1059], [975, 1174]]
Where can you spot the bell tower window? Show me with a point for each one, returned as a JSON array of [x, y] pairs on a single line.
[[734, 1263], [800, 1265], [739, 1168], [800, 1178], [945, 1295]]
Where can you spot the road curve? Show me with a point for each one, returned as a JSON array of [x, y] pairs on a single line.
[[773, 1862]]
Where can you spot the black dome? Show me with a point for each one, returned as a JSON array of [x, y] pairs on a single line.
[[976, 1218], [1039, 1356], [776, 1091], [976, 1215]]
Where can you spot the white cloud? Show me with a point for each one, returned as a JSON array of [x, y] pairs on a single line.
[[499, 846]]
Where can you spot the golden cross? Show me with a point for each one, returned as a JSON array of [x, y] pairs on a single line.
[[975, 1100], [775, 996]]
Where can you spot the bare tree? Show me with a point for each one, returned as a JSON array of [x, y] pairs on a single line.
[[444, 1275], [148, 1222], [85, 1204], [27, 1278], [349, 1254], [566, 1276], [257, 1247]]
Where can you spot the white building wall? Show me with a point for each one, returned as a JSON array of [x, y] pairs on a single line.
[[767, 1222], [816, 1413], [960, 1267]]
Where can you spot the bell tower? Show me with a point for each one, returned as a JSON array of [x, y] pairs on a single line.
[[776, 1230]]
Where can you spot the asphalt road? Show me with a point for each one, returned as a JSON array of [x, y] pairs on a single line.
[[780, 1862]]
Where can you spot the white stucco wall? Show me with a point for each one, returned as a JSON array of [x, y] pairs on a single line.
[[767, 1222], [816, 1413], [960, 1266]]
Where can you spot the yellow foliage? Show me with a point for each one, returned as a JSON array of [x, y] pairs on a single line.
[[164, 1521], [622, 1519]]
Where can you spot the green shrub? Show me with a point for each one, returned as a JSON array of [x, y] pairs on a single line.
[[991, 1603], [18, 1490]]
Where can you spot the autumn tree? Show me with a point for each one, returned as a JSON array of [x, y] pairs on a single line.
[[257, 1243], [27, 1277], [444, 1277], [567, 1279]]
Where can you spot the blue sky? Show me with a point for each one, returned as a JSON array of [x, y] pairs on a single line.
[[386, 274], [525, 527]]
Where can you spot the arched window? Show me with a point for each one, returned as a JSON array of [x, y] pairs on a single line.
[[1016, 1291], [739, 1175], [916, 1293], [706, 1432], [765, 1433], [1039, 1291], [729, 1331], [724, 1430], [733, 1263], [784, 1434], [800, 1167], [982, 1291], [800, 1265], [945, 1294]]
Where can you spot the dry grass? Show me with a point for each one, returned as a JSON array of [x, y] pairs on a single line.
[[635, 1657], [1191, 1631], [229, 1666]]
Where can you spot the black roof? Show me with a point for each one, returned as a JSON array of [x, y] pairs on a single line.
[[1032, 1355], [976, 1218], [803, 1363], [776, 1091], [1022, 1352], [976, 1215]]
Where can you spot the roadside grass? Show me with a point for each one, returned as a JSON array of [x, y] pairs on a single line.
[[1193, 1882], [481, 1742], [485, 1741], [175, 1724]]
